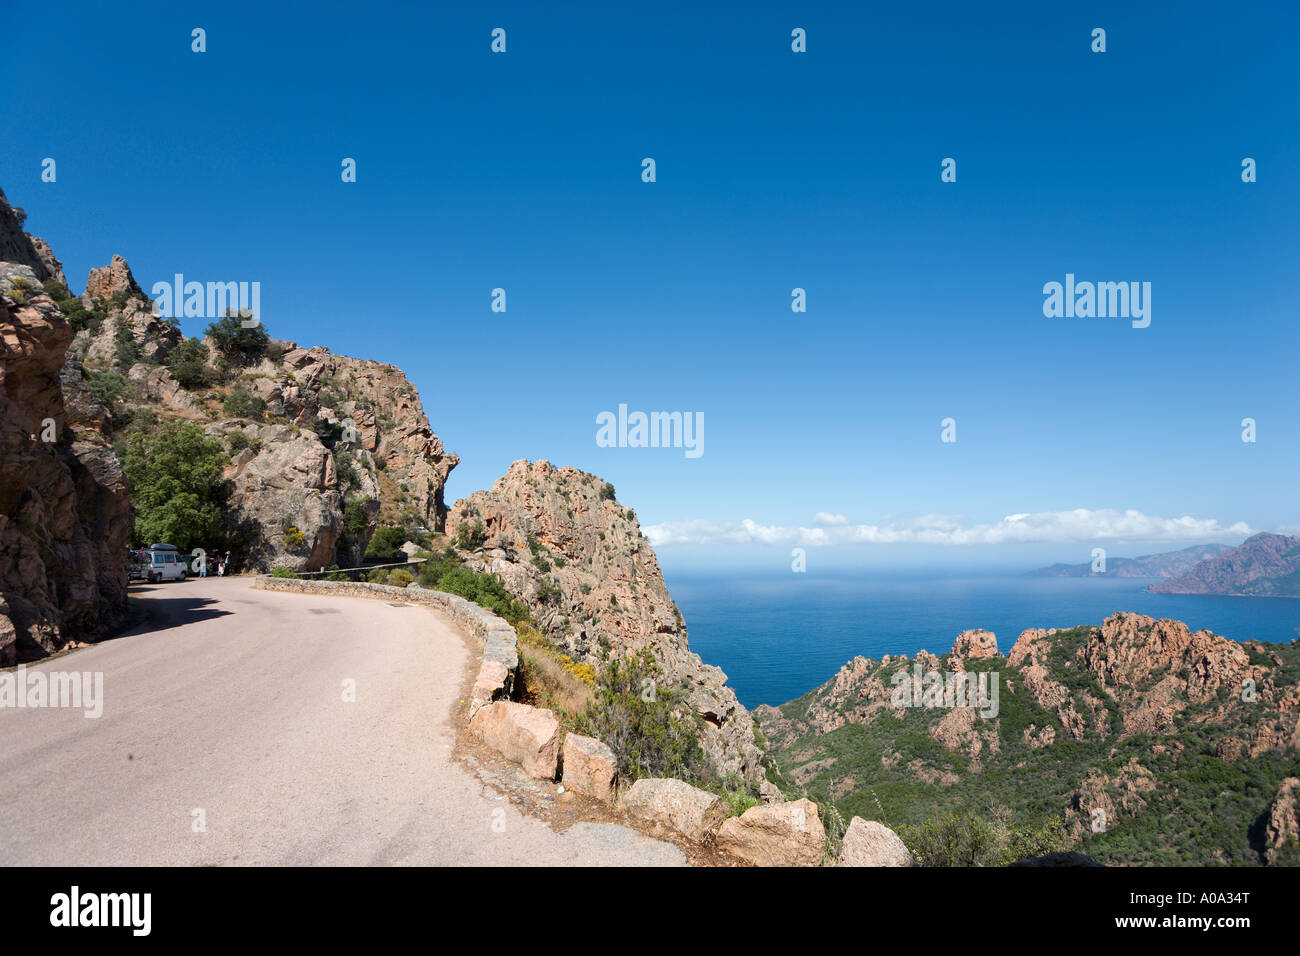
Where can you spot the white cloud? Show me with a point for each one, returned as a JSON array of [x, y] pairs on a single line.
[[826, 518], [1080, 524]]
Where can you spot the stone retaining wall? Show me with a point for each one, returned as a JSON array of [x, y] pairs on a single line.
[[500, 664]]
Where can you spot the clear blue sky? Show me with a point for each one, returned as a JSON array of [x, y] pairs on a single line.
[[775, 170]]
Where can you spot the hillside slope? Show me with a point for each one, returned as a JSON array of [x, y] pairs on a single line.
[[1265, 565], [1147, 742]]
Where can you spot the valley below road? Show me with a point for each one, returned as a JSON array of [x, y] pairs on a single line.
[[226, 739]]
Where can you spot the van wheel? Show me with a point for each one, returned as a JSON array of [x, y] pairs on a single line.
[[182, 576]]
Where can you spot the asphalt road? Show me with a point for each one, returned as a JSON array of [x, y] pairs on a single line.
[[225, 739]]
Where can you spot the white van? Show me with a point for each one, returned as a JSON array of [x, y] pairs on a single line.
[[165, 563]]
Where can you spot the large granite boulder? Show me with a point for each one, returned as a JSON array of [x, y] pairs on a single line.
[[785, 834]]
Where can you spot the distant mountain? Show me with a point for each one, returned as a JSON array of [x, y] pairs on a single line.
[[1168, 565], [1265, 565]]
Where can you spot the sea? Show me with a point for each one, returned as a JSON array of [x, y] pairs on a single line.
[[778, 637]]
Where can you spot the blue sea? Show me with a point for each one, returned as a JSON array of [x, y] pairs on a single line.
[[779, 637]]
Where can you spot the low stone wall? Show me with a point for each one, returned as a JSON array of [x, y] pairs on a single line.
[[495, 635]]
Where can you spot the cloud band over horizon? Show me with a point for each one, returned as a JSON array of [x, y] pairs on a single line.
[[1079, 524]]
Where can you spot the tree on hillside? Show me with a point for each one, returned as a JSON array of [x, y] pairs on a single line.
[[175, 474], [187, 364], [237, 344]]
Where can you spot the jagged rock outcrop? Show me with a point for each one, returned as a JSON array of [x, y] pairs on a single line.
[[64, 510], [291, 477], [1116, 728], [557, 539], [974, 644], [1265, 564], [19, 248]]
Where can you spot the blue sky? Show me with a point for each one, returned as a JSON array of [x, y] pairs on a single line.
[[775, 170]]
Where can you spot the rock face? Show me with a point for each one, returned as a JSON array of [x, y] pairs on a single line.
[[558, 540], [589, 767], [65, 515], [291, 478], [788, 834], [692, 812], [527, 735], [1282, 825], [1266, 564], [868, 843], [975, 644]]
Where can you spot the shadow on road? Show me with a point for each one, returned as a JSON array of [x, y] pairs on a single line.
[[162, 613]]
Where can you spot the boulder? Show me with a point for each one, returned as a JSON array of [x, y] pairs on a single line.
[[589, 767], [529, 736], [785, 834], [868, 843], [692, 812]]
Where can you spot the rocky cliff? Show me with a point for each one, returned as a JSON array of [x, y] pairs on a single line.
[[1147, 741], [65, 515], [1265, 565], [558, 539], [323, 449]]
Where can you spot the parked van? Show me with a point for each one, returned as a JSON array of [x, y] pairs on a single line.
[[165, 563]]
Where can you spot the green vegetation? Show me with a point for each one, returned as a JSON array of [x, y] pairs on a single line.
[[444, 573], [647, 724], [607, 492], [238, 345], [175, 474], [280, 571], [386, 542], [241, 404], [1180, 802], [979, 840], [470, 537], [187, 364], [111, 389]]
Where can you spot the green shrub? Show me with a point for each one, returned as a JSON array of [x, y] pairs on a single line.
[[607, 492], [238, 345], [647, 724], [445, 574], [241, 404], [187, 363], [280, 571], [386, 542], [470, 537], [126, 352], [974, 840], [111, 388], [400, 577]]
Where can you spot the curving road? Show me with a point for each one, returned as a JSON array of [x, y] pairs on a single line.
[[230, 701]]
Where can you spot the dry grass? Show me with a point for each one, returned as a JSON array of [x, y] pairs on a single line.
[[551, 679]]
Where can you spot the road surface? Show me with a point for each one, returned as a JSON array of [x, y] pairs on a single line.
[[226, 739]]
